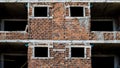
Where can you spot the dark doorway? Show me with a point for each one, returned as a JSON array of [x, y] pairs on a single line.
[[102, 62]]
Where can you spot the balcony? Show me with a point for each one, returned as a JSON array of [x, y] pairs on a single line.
[[13, 22], [105, 21]]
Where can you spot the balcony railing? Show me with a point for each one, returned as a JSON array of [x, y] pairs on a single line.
[[13, 35], [98, 35]]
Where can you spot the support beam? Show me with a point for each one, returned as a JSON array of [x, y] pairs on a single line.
[[60, 41]]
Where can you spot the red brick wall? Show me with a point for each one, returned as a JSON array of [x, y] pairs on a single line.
[[104, 36], [13, 35], [59, 27], [59, 58], [40, 29]]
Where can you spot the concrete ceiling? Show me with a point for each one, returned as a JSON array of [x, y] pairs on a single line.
[[105, 9], [13, 10], [106, 48], [13, 48]]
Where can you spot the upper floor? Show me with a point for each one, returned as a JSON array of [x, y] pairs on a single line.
[[60, 21]]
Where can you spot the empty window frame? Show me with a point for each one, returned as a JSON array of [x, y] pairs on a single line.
[[78, 52], [102, 25], [41, 11], [13, 25], [40, 51], [77, 11]]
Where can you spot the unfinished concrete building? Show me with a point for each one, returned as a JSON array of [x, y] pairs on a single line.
[[59, 34]]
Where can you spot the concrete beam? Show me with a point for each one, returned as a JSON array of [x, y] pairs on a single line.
[[60, 41]]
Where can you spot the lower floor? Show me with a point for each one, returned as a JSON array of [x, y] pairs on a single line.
[[13, 55], [59, 55], [105, 55]]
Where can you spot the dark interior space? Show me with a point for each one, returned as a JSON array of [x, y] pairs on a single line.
[[105, 10], [15, 25], [41, 52], [14, 61], [14, 55], [76, 11], [102, 62], [13, 10], [103, 54], [101, 25], [108, 48], [77, 52], [13, 48], [40, 11]]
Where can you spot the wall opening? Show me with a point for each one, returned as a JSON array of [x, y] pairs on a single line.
[[40, 11], [77, 52], [13, 16], [105, 11], [105, 55], [12, 25], [102, 25], [41, 52], [13, 55], [76, 11]]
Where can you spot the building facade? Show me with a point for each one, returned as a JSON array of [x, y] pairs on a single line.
[[59, 34]]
